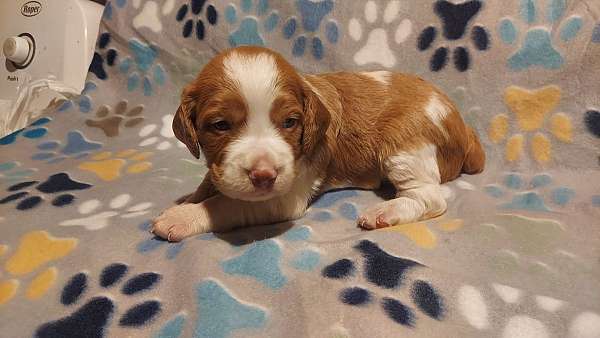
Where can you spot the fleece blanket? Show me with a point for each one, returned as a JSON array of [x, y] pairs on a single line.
[[516, 255]]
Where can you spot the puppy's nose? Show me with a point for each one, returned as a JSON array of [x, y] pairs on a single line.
[[263, 176]]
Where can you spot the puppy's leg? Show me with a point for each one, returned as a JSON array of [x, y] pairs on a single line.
[[416, 177], [205, 190], [421, 202], [220, 213]]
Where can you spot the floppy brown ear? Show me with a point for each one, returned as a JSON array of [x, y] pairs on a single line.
[[183, 125], [316, 119]]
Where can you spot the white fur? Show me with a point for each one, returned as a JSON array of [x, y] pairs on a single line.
[[256, 78], [415, 166], [215, 213], [381, 76], [437, 112], [416, 177]]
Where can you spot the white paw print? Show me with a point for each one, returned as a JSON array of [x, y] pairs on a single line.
[[117, 207], [165, 138], [377, 48], [473, 307], [148, 17]]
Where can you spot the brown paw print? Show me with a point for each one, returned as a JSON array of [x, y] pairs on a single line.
[[110, 120]]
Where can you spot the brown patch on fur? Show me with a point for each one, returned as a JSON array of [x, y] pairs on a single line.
[[475, 160], [284, 107], [373, 121], [205, 190], [461, 152]]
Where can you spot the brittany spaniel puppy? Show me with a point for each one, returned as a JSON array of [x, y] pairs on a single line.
[[274, 139]]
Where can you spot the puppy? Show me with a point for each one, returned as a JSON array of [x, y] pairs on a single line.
[[274, 139]]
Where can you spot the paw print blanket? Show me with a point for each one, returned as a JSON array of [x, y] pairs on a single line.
[[516, 255]]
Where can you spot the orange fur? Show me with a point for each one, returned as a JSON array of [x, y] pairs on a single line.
[[350, 126]]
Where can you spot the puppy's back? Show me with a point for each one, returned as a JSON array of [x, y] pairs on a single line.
[[388, 113]]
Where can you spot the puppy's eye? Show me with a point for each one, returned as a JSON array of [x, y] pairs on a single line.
[[221, 125], [290, 122]]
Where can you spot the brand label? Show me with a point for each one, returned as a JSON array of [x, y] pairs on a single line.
[[31, 8], [12, 78]]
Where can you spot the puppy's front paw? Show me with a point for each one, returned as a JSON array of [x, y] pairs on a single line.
[[381, 215], [179, 222]]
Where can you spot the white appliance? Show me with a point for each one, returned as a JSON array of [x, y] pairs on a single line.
[[47, 47]]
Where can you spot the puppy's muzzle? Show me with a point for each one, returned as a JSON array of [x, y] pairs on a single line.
[[263, 175]]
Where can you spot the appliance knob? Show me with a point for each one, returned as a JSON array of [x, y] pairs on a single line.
[[16, 49]]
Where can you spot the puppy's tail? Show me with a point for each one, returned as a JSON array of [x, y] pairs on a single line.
[[475, 158]]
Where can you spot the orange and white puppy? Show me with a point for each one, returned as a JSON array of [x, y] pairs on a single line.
[[274, 139]]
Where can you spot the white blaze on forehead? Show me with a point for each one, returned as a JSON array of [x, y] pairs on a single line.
[[437, 111], [256, 77], [382, 76]]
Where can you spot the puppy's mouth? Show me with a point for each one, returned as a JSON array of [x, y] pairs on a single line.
[[260, 195], [256, 195]]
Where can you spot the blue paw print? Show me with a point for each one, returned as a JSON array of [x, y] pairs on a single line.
[[34, 131], [249, 28], [151, 244], [142, 68], [386, 271], [592, 122], [172, 328], [76, 146], [596, 200], [10, 172], [56, 186], [518, 195], [103, 54], [262, 259], [196, 8], [312, 14], [93, 318], [596, 34], [537, 47], [223, 313], [108, 9], [455, 19], [319, 209], [83, 102]]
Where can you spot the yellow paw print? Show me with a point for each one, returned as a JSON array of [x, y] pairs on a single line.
[[108, 167], [421, 234], [530, 108], [35, 249]]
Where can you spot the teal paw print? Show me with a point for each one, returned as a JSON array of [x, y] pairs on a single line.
[[537, 47], [516, 194], [33, 131], [83, 102], [250, 27], [321, 209], [12, 172], [76, 146], [151, 244], [312, 14], [262, 260], [141, 70], [224, 312]]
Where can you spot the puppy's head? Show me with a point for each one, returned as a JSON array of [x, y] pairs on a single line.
[[253, 117]]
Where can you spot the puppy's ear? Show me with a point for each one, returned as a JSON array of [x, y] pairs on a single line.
[[316, 119], [183, 123]]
